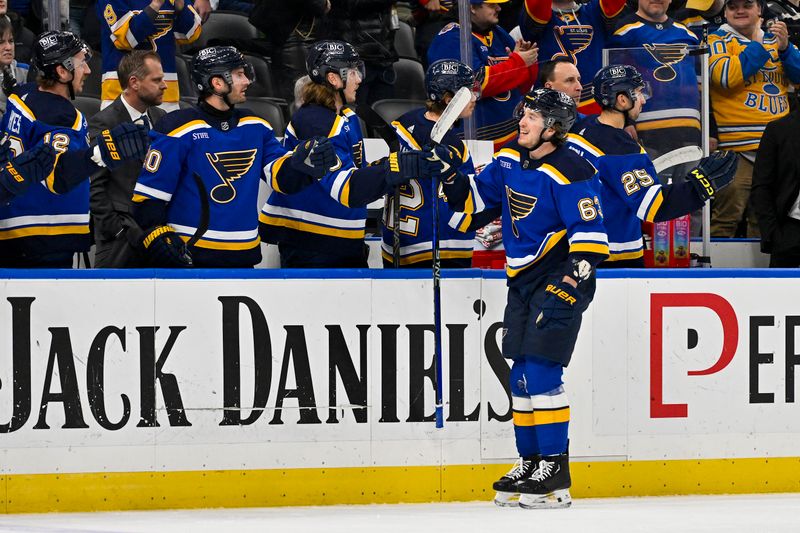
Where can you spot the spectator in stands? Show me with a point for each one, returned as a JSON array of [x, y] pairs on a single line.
[[658, 47], [30, 13], [24, 37], [751, 70], [703, 17], [504, 74], [369, 27], [775, 197], [291, 28], [143, 86], [138, 24], [577, 31], [12, 71], [430, 17]]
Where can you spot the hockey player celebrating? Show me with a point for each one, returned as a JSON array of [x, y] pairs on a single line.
[[324, 225], [45, 226], [200, 179], [630, 189], [554, 237], [442, 80]]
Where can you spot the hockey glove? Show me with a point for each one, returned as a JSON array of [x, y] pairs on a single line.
[[121, 143], [5, 152], [314, 157], [31, 166], [404, 166], [558, 307], [165, 249], [9, 81], [451, 160], [713, 173]]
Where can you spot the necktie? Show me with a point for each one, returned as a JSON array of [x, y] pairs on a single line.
[[145, 121]]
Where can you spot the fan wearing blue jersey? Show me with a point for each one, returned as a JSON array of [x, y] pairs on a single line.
[[197, 194], [629, 186], [575, 31], [505, 68], [658, 45], [324, 225], [554, 237], [47, 221], [442, 80]]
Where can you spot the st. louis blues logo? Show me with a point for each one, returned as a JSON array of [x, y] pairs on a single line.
[[667, 55], [229, 166], [572, 40], [520, 206]]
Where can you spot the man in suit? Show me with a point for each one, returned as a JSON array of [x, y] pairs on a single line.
[[775, 193], [115, 232]]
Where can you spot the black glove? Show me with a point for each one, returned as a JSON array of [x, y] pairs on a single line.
[[314, 157], [165, 249], [9, 81], [30, 166], [713, 173], [5, 152], [451, 161], [404, 166], [121, 143], [558, 307]]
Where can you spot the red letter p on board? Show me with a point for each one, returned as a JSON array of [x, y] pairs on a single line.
[[730, 332]]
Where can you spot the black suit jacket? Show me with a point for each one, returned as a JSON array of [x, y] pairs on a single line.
[[776, 184], [111, 192]]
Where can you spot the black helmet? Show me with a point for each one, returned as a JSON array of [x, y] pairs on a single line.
[[447, 76], [557, 109], [54, 48], [332, 56], [614, 79], [218, 61]]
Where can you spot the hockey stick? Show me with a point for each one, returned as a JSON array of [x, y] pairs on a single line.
[[687, 154], [460, 100], [396, 227], [202, 225]]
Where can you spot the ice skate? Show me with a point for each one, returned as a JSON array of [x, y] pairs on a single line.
[[548, 485], [507, 493]]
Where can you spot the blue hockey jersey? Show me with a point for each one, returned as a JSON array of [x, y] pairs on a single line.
[[230, 158], [416, 210], [658, 51], [550, 208], [321, 217], [629, 188], [494, 119], [42, 222]]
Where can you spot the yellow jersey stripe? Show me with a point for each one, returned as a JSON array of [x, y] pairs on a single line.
[[78, 229], [311, 228]]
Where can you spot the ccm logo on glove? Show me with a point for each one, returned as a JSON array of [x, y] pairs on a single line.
[[703, 181], [564, 295], [112, 149], [13, 171]]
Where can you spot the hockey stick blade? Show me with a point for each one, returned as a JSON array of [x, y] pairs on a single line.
[[687, 154], [450, 114]]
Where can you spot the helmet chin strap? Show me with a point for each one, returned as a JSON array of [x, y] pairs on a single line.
[[625, 112], [541, 141], [68, 83]]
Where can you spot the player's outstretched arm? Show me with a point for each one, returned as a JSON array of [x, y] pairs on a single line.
[[111, 149], [311, 160]]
